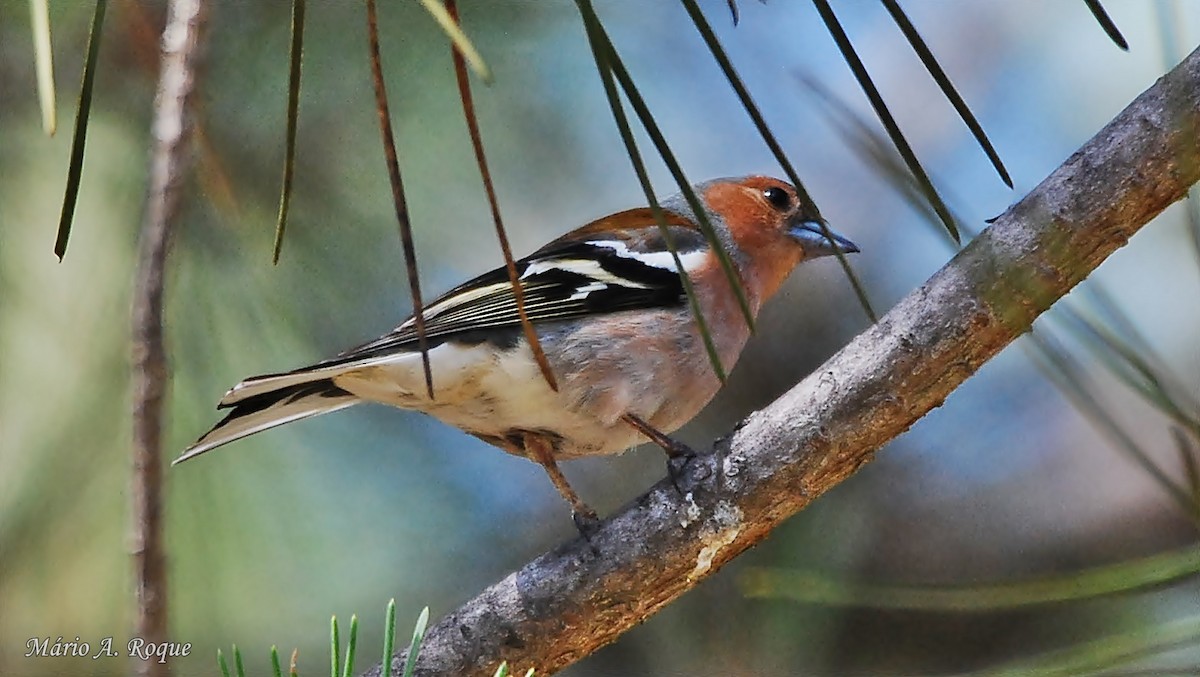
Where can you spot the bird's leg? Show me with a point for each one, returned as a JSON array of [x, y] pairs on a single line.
[[678, 453], [541, 451]]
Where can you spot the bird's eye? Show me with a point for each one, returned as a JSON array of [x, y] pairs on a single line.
[[778, 198]]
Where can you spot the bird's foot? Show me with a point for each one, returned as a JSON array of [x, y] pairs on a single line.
[[588, 524], [678, 458], [678, 453]]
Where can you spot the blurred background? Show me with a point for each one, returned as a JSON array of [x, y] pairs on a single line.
[[269, 537]]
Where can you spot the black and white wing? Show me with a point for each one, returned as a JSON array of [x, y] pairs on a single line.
[[587, 273]]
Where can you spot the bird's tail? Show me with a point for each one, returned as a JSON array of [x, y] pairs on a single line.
[[264, 402]]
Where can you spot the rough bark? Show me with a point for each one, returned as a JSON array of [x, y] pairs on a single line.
[[169, 162], [567, 603]]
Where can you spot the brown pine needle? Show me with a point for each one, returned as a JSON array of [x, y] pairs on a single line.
[[293, 112], [464, 92], [393, 165]]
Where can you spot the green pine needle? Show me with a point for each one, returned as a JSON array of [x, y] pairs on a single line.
[[351, 647], [1107, 24], [885, 116], [389, 636], [79, 135], [760, 123], [335, 647], [602, 57], [1107, 653], [414, 646], [222, 664], [293, 114], [1103, 581], [1065, 372], [948, 89]]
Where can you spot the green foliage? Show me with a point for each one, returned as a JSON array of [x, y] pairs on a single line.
[[337, 668], [79, 136], [502, 671], [414, 646], [1137, 575], [295, 53]]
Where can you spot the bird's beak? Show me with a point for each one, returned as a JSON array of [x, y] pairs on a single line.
[[811, 235]]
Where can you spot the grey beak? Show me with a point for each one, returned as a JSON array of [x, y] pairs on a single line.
[[811, 235]]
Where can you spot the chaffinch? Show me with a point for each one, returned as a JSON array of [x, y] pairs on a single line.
[[610, 311]]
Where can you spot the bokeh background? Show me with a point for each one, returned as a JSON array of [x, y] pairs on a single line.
[[336, 515]]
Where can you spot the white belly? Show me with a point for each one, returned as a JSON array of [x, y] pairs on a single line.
[[490, 395], [602, 375]]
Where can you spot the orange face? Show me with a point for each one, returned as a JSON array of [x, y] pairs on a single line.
[[772, 226]]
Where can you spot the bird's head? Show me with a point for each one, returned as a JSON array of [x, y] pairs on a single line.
[[770, 229]]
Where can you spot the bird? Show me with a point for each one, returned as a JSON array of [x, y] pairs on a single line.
[[610, 309]]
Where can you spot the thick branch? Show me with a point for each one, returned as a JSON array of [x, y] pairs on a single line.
[[168, 164], [569, 602]]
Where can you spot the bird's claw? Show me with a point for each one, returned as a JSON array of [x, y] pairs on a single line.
[[677, 465], [587, 522]]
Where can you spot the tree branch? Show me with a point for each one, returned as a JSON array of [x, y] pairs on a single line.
[[569, 602], [168, 165]]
